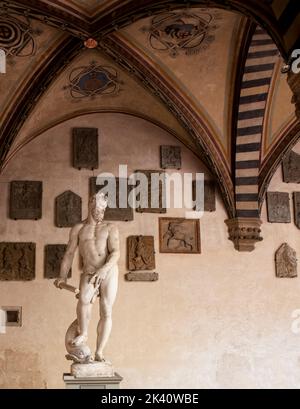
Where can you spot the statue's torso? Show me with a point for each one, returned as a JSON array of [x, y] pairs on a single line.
[[93, 246]]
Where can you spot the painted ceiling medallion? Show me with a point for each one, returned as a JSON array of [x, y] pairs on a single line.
[[16, 36], [186, 32], [91, 43], [93, 80]]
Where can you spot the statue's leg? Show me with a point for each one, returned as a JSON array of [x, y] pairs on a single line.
[[108, 292], [84, 309]]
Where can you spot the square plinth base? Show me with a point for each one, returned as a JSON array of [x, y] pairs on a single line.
[[112, 382]]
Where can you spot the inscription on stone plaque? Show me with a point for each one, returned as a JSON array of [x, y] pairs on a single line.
[[85, 148], [286, 262], [68, 209], [154, 193], [278, 204], [114, 212], [17, 261], [291, 168], [170, 157], [297, 208], [141, 253], [141, 276], [209, 196], [178, 235], [26, 200], [54, 254]]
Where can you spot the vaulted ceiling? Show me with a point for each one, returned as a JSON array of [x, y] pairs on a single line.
[[195, 68]]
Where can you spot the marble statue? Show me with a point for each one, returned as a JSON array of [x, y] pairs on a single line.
[[98, 244]]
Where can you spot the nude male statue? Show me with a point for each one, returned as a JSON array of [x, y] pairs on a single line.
[[98, 244]]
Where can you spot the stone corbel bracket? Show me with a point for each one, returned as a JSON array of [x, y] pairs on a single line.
[[244, 232]]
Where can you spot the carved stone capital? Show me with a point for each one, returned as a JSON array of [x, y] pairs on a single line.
[[244, 232], [294, 83]]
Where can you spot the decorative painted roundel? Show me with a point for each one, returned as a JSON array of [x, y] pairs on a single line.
[[177, 32], [16, 37], [93, 80]]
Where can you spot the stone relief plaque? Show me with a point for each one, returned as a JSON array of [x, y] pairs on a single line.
[[140, 253], [209, 196], [179, 235], [297, 208], [114, 213], [291, 168], [156, 193], [54, 254], [286, 262], [17, 261], [68, 209], [85, 148], [170, 157], [26, 200], [278, 204], [141, 276]]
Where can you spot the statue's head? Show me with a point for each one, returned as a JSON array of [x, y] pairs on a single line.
[[97, 206]]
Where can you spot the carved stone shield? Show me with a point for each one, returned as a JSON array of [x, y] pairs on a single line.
[[170, 157], [286, 262], [68, 209]]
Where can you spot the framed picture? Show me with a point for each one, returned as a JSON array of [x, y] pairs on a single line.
[[179, 235]]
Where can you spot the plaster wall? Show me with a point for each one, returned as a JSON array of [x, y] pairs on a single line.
[[218, 319]]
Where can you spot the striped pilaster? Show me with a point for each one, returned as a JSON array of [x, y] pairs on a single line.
[[255, 86]]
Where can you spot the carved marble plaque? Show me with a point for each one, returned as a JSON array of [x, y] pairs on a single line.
[[140, 253], [178, 235], [297, 208], [26, 200], [170, 157], [155, 191], [291, 168], [85, 148], [286, 262], [54, 254], [68, 209], [278, 204], [209, 196], [141, 276], [113, 213], [17, 261]]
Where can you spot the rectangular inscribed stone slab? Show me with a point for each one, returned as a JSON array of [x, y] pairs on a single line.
[[85, 148], [17, 261], [297, 208], [154, 192], [170, 157], [114, 213], [54, 254], [178, 235], [278, 205], [140, 253], [26, 200], [291, 168], [141, 276], [68, 209], [209, 196]]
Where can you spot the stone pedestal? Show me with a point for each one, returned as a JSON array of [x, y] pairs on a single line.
[[94, 369], [108, 382]]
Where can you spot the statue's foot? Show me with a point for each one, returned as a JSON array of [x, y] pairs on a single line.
[[99, 357], [80, 340]]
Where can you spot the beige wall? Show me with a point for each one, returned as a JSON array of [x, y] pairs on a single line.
[[219, 319]]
